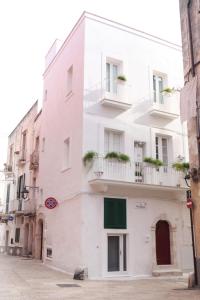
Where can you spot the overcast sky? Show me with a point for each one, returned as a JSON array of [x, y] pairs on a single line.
[[29, 27]]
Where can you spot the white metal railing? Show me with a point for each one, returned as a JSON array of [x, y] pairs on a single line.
[[135, 172]]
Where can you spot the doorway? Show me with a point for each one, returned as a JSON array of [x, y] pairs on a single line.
[[163, 252], [41, 238], [7, 239], [117, 256]]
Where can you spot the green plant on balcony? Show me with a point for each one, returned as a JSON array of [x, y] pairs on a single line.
[[89, 157], [112, 155], [168, 90], [183, 167], [117, 156], [121, 78], [154, 162], [124, 157]]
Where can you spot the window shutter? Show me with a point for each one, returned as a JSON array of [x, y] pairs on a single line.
[[115, 213]]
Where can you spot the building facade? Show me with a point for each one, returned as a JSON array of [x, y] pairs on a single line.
[[190, 28], [111, 102], [21, 171]]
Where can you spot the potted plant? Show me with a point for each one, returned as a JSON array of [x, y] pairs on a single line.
[[154, 162], [121, 157], [183, 167], [112, 155], [124, 157], [121, 78], [89, 157], [168, 90]]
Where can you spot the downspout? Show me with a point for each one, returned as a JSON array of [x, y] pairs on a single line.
[[190, 38]]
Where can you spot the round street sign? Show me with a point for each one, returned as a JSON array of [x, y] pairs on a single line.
[[50, 203], [189, 203]]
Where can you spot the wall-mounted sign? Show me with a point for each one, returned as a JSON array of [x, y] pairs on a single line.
[[10, 218], [50, 203], [140, 204]]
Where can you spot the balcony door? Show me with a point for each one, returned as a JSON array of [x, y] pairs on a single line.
[[162, 149], [111, 78], [158, 86], [113, 141], [138, 158], [117, 256]]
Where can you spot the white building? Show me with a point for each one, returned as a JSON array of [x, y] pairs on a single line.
[[113, 218]]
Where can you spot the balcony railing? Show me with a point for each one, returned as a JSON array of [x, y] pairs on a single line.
[[134, 172]]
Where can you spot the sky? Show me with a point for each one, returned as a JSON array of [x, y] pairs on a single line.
[[29, 27]]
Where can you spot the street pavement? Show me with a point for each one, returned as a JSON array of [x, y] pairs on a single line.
[[26, 279]]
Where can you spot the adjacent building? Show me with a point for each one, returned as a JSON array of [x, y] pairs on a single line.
[[111, 101], [190, 27]]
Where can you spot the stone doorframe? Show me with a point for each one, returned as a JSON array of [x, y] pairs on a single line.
[[29, 236], [39, 220], [173, 243]]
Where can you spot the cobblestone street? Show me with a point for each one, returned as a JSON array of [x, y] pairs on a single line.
[[22, 278]]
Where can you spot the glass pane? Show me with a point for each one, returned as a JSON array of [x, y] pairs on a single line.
[[160, 85], [113, 253], [124, 253], [157, 148], [116, 142], [107, 77], [114, 81], [164, 151], [106, 141], [154, 88]]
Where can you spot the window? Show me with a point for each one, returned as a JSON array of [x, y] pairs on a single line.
[[66, 153], [158, 86], [7, 197], [17, 235], [162, 149], [11, 155], [20, 185], [43, 144], [49, 252], [113, 141], [45, 95], [37, 141], [24, 145], [111, 77], [115, 213], [69, 80]]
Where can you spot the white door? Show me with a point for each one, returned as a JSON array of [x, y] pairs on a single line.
[[111, 78], [158, 88], [117, 254], [138, 158]]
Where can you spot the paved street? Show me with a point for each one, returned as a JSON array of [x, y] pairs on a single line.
[[22, 278]]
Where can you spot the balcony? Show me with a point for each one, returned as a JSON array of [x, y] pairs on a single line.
[[119, 100], [22, 158], [169, 109], [139, 175], [34, 160]]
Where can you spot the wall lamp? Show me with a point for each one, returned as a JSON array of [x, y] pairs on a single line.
[[25, 191]]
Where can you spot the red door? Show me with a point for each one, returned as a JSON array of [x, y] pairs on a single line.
[[163, 254]]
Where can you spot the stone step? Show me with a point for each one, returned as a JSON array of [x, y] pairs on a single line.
[[167, 272]]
